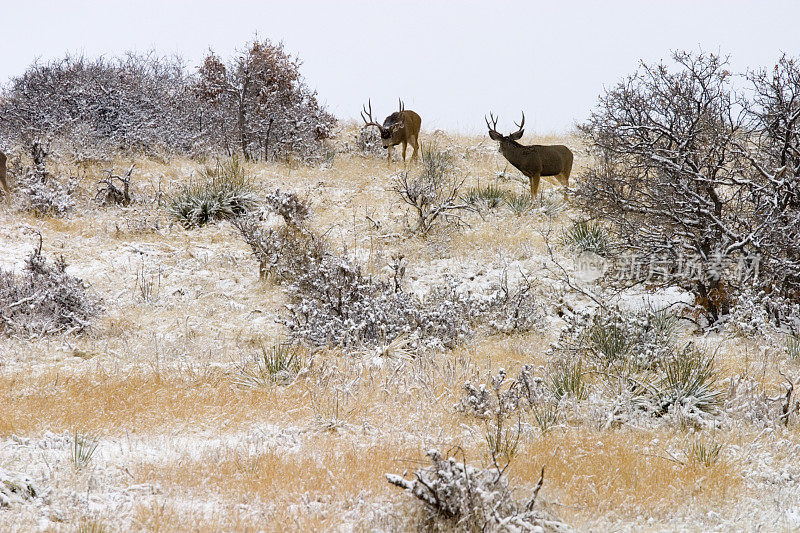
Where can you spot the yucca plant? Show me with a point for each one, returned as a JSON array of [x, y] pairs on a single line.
[[276, 364], [221, 192], [608, 340], [83, 448], [567, 379], [490, 196], [519, 204], [688, 379], [587, 236]]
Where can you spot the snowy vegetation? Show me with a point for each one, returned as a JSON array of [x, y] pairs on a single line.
[[261, 324]]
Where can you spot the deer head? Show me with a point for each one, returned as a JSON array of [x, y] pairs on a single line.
[[392, 126], [496, 136]]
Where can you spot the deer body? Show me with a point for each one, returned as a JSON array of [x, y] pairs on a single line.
[[4, 175], [401, 127], [536, 160]]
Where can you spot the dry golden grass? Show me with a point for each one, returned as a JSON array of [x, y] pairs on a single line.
[[166, 368], [622, 473]]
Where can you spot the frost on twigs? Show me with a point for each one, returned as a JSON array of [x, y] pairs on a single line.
[[700, 183], [468, 498], [45, 299], [41, 192], [334, 303]]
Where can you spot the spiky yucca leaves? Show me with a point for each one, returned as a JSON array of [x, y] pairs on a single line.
[[588, 236], [490, 197], [222, 192], [277, 364]]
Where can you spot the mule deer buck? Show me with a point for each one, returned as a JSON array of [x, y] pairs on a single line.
[[402, 126], [533, 161], [4, 176]]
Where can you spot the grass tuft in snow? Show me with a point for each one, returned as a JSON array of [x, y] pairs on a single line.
[[83, 448], [223, 192], [587, 236], [793, 347], [704, 453], [277, 364]]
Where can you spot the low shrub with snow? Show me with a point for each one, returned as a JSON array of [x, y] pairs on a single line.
[[45, 195], [333, 303], [461, 497], [45, 299]]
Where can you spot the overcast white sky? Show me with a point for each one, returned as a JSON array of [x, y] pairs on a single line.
[[450, 61]]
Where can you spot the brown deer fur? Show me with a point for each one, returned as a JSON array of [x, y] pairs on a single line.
[[401, 127], [536, 160]]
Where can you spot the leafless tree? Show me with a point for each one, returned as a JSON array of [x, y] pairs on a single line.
[[697, 181]]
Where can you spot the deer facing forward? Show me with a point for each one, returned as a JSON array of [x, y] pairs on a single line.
[[533, 161], [401, 127]]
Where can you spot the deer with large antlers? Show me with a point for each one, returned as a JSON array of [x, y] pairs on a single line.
[[402, 126], [533, 161]]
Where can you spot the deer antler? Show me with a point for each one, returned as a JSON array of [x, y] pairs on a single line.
[[493, 125], [371, 121], [520, 126], [402, 106]]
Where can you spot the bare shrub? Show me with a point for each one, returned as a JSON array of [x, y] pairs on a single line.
[[45, 299], [701, 194], [467, 498], [111, 193], [434, 194]]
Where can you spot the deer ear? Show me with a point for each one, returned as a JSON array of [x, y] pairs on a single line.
[[494, 135], [517, 135]]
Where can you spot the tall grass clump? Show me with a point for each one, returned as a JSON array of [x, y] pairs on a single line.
[[587, 236], [222, 192], [519, 204], [490, 197]]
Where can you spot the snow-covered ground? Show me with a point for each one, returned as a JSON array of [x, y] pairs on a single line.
[[182, 445]]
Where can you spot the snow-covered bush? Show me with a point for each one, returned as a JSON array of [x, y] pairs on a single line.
[[257, 105], [700, 183], [503, 396], [45, 299], [460, 497], [333, 303], [45, 195]]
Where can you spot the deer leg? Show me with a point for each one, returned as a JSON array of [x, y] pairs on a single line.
[[389, 160], [415, 145], [534, 187], [405, 145]]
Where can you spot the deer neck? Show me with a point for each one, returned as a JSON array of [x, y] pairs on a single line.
[[514, 152]]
